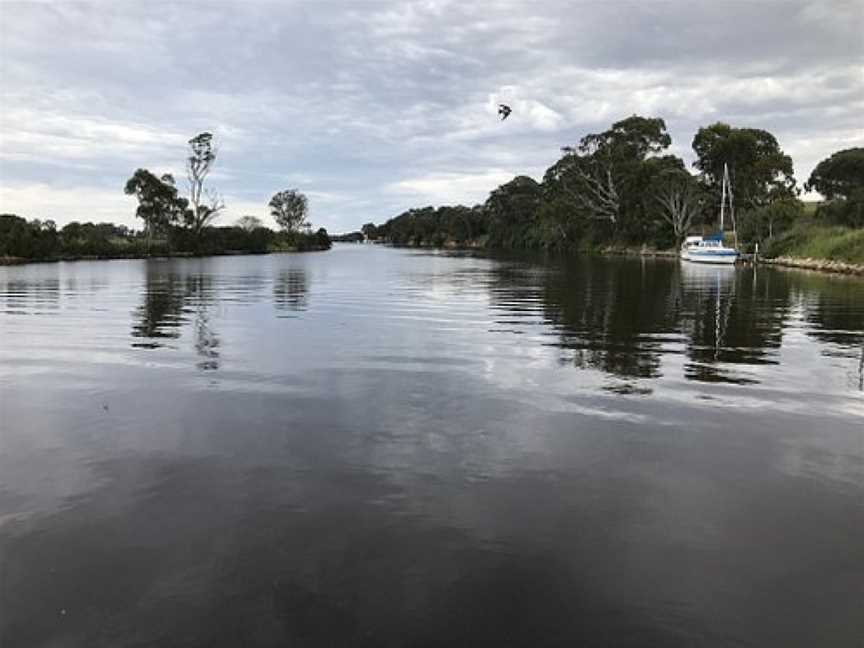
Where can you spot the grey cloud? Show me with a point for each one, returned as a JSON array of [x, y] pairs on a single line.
[[349, 101]]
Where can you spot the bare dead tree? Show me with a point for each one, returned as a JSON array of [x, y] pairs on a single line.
[[680, 201], [205, 204], [599, 195], [215, 204], [594, 190]]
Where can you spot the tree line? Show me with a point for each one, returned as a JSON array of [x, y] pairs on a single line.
[[171, 223], [621, 187]]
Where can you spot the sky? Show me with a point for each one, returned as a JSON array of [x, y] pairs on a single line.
[[371, 108]]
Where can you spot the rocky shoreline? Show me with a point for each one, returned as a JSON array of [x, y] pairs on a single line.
[[818, 265], [822, 265]]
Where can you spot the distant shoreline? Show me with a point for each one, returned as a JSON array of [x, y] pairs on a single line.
[[802, 263], [14, 261]]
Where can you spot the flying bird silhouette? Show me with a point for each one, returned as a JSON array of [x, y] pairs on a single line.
[[504, 111]]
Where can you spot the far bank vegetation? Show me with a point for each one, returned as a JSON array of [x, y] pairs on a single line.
[[172, 224], [622, 189]]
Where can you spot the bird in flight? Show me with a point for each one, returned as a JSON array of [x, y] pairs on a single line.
[[504, 111]]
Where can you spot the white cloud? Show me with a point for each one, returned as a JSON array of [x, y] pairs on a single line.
[[63, 205], [47, 135], [368, 108], [438, 188]]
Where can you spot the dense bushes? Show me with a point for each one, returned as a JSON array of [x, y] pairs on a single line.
[[42, 240], [844, 211], [33, 240]]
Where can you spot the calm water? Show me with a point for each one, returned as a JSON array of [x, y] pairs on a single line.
[[376, 447]]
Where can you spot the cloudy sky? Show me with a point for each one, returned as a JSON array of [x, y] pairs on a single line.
[[373, 107]]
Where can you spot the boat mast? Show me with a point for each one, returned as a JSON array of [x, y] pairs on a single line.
[[723, 194], [732, 214]]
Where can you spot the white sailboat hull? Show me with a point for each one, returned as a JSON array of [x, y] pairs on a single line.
[[722, 256]]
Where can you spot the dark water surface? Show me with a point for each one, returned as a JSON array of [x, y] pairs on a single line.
[[376, 447]]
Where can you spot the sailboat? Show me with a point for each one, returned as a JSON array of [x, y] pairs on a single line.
[[710, 249]]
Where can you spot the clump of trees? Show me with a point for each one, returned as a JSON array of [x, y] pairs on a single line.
[[840, 178], [37, 239], [159, 205], [33, 239], [436, 226], [164, 211], [171, 223], [290, 208], [370, 232], [621, 187]]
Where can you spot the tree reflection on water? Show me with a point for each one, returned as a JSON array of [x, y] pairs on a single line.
[[290, 290], [170, 301]]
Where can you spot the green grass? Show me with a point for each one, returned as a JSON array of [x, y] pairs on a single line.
[[810, 207], [814, 241]]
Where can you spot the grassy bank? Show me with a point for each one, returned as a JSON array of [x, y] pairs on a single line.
[[824, 242]]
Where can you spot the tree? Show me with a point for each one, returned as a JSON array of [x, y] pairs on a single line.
[[16, 236], [206, 204], [765, 223], [514, 202], [158, 202], [680, 199], [370, 231], [511, 208], [322, 239], [759, 170], [633, 138], [289, 209], [838, 176], [591, 185], [780, 214], [249, 223], [596, 174]]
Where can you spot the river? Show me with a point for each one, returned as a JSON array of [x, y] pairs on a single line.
[[382, 447]]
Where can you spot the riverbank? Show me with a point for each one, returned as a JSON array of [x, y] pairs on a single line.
[[26, 241], [805, 263], [644, 251], [10, 260], [482, 244], [818, 243], [821, 265], [815, 246]]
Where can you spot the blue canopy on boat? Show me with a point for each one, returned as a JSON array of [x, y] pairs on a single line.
[[714, 237]]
